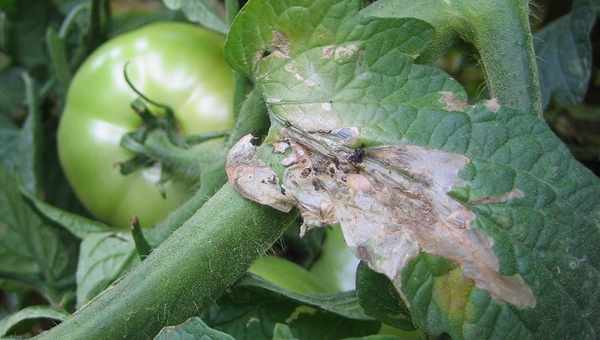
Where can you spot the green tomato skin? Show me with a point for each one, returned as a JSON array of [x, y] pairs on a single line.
[[336, 267], [177, 64], [287, 275]]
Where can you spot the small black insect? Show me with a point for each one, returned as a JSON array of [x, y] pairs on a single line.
[[255, 141], [357, 156]]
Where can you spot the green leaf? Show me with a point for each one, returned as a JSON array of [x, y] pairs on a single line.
[[27, 22], [130, 20], [192, 329], [29, 152], [9, 137], [484, 221], [253, 308], [344, 304], [379, 298], [564, 53], [76, 224], [103, 258], [498, 29], [33, 312], [580, 126], [378, 337], [282, 332], [58, 59], [208, 13], [32, 252], [21, 150], [12, 92]]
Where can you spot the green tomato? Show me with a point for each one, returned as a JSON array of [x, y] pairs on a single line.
[[287, 275], [177, 64], [336, 267]]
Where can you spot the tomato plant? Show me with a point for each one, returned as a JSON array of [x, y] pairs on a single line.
[[446, 143], [175, 64]]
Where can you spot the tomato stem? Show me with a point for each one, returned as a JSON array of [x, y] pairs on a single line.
[[141, 245], [185, 273], [499, 30]]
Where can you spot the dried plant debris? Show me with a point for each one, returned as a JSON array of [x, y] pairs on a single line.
[[391, 202]]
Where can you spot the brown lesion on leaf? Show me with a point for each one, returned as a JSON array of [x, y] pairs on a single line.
[[252, 178], [279, 48], [280, 45], [506, 197], [492, 105], [391, 202], [341, 52], [451, 102]]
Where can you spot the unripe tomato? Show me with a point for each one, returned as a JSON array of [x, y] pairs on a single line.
[[287, 275], [176, 64]]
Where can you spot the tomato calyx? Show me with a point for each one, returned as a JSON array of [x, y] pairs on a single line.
[[158, 140]]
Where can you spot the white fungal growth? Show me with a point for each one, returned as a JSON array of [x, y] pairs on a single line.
[[391, 202]]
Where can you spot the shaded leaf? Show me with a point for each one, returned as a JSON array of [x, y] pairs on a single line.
[[12, 92], [28, 313], [29, 153], [103, 258], [254, 307], [378, 337], [32, 252], [282, 332], [208, 13], [130, 20], [564, 53], [380, 299], [76, 224], [345, 304], [192, 329]]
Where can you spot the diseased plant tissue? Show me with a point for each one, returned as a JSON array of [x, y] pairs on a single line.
[[392, 203], [299, 170]]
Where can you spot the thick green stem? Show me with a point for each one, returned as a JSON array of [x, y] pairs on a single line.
[[186, 273], [500, 31], [242, 85]]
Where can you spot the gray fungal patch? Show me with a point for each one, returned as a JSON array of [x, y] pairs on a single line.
[[280, 45], [391, 205], [492, 105], [451, 103], [252, 178]]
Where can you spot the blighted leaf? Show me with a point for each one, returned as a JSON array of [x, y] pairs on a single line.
[[28, 313], [192, 329], [478, 214], [103, 258], [208, 13], [564, 53]]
